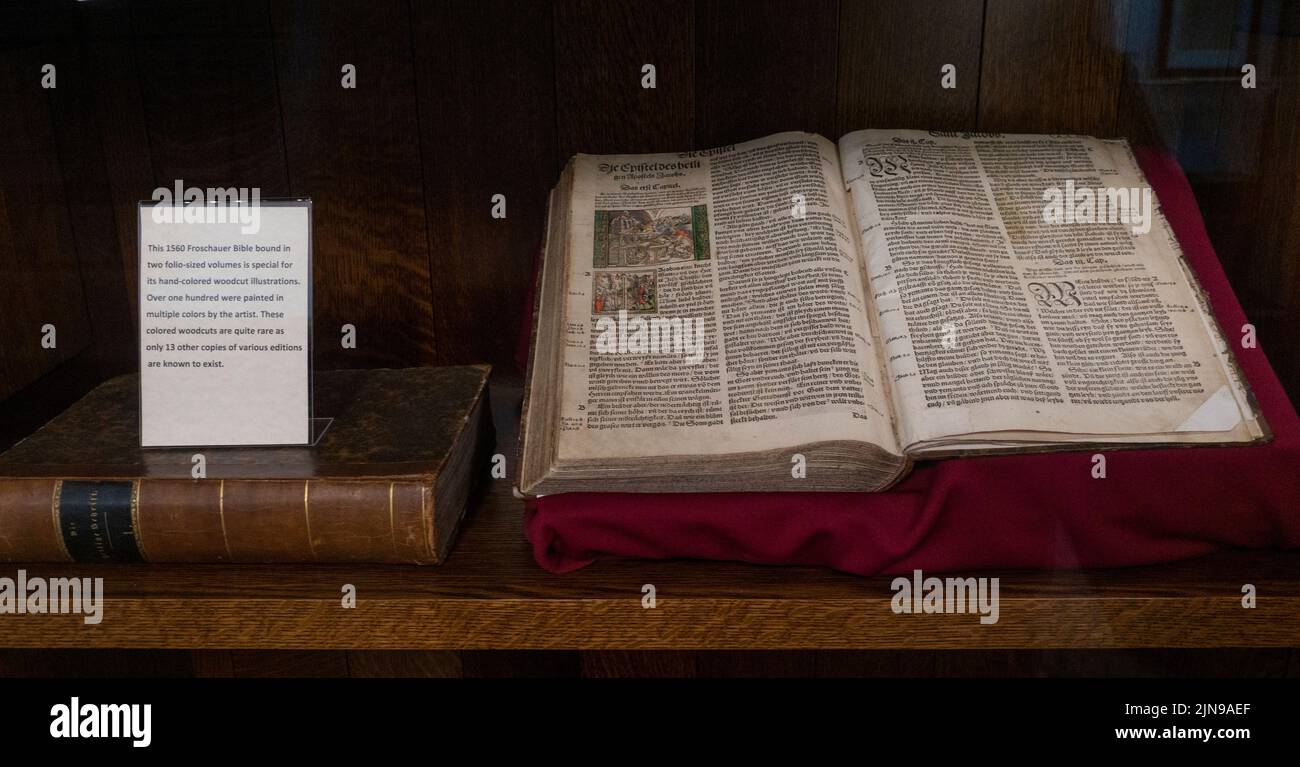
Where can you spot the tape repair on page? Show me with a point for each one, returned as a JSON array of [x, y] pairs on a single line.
[[1218, 413]]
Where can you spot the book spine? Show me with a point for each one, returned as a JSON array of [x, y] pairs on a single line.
[[216, 520]]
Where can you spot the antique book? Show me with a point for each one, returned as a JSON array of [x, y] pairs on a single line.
[[795, 314], [387, 481]]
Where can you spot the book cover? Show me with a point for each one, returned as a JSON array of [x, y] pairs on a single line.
[[387, 482]]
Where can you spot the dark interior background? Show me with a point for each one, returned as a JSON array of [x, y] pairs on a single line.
[[459, 100]]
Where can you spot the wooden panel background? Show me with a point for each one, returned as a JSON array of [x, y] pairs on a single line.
[[458, 101], [352, 152]]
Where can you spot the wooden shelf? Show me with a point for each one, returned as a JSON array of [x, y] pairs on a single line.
[[492, 595]]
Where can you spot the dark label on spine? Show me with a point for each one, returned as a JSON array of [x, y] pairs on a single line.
[[97, 519]]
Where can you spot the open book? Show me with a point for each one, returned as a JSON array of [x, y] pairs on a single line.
[[788, 314]]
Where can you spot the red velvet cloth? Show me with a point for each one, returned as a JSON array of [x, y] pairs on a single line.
[[1038, 511]]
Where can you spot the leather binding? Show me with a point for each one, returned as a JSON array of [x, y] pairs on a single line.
[[388, 481]]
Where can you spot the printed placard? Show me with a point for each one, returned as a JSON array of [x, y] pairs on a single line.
[[225, 324]]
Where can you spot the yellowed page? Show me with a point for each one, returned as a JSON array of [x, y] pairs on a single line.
[[994, 319], [750, 242]]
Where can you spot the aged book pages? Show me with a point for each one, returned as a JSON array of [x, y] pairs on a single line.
[[1004, 330], [752, 246], [901, 296]]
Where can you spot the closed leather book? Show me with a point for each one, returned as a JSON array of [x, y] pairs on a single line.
[[388, 481]]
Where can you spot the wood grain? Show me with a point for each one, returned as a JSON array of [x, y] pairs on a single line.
[[354, 152], [458, 102], [42, 279], [492, 596], [764, 66], [461, 101], [208, 85], [485, 78], [109, 54], [891, 57], [1052, 66], [600, 49], [91, 213], [210, 110]]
